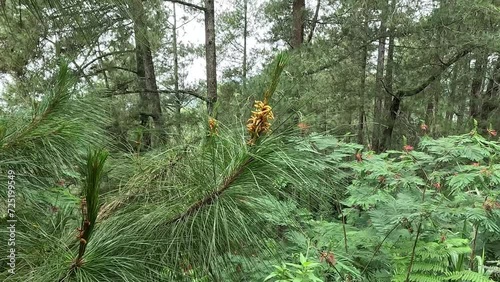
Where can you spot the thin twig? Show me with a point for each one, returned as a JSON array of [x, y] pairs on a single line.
[[343, 225], [413, 251], [473, 251], [378, 247]]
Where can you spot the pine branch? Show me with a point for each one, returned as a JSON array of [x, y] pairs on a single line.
[[60, 95], [214, 195]]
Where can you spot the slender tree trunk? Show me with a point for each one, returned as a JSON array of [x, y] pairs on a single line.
[[298, 11], [391, 122], [245, 35], [462, 115], [176, 75], [314, 22], [362, 96], [379, 96], [149, 105], [453, 97], [477, 85], [210, 53], [432, 107], [144, 101], [491, 96], [435, 114], [210, 50], [389, 77], [154, 95]]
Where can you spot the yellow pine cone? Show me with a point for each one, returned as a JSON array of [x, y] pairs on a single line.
[[213, 126], [259, 123]]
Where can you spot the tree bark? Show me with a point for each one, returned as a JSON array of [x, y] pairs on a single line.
[[386, 139], [453, 97], [149, 105], [432, 107], [462, 115], [177, 95], [298, 11], [245, 35], [154, 96], [477, 85], [491, 97], [362, 88], [210, 56], [379, 96]]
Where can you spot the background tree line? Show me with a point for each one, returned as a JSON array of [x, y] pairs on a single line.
[[374, 69]]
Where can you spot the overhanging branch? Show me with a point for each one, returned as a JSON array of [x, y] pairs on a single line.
[[110, 68], [106, 55], [194, 6], [434, 76], [162, 91]]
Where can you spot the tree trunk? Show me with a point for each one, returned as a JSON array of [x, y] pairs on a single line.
[[391, 122], [149, 104], [432, 106], [176, 76], [477, 85], [245, 35], [379, 96], [153, 94], [298, 11], [464, 70], [453, 97], [389, 77], [362, 88], [210, 56], [491, 96]]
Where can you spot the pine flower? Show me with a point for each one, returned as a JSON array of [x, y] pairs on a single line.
[[329, 257], [492, 132], [304, 127], [213, 126], [259, 123], [408, 148], [359, 157]]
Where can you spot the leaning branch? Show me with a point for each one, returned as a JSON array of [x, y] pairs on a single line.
[[314, 22], [105, 55], [194, 6], [332, 63], [163, 91], [110, 68], [434, 76]]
